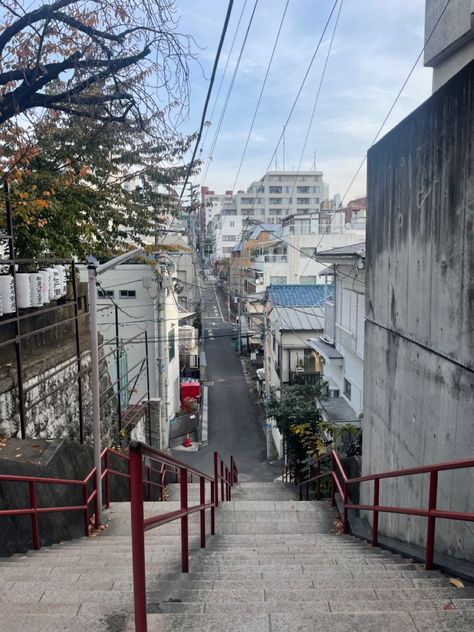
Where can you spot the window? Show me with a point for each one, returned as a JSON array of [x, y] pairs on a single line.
[[105, 293], [347, 388], [302, 200], [275, 200], [171, 345], [316, 189], [275, 190], [303, 190], [308, 280], [247, 201], [231, 238], [278, 280], [231, 224], [128, 294], [307, 252]]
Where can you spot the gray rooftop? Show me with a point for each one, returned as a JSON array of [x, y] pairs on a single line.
[[337, 409]]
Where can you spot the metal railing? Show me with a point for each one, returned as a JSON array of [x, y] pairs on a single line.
[[89, 491], [340, 483], [143, 455]]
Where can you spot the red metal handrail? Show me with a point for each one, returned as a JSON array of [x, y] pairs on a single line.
[[431, 513], [88, 496], [141, 454]]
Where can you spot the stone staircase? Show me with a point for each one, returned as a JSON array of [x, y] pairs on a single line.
[[276, 565]]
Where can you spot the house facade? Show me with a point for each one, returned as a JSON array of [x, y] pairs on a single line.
[[340, 348]]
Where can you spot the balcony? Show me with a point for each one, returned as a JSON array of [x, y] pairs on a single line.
[[259, 262]]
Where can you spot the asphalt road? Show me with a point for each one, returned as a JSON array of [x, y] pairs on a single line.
[[234, 427]]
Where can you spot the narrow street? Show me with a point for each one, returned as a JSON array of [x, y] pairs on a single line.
[[234, 427]]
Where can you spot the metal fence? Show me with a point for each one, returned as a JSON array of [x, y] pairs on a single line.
[[44, 351]]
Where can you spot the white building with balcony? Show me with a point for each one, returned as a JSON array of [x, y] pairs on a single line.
[[282, 193], [290, 259], [341, 346]]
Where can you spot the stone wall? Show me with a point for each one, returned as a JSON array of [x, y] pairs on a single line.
[[419, 352], [57, 414]]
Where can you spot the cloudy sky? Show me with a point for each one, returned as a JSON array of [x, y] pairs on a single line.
[[375, 45]]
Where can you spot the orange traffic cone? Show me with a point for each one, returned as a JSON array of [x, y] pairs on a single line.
[[187, 442]]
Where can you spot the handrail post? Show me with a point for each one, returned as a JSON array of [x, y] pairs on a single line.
[[216, 478], [333, 481], [227, 484], [97, 508], [375, 518], [34, 515], [148, 482], [431, 523], [85, 511], [345, 512], [202, 501], [222, 480], [183, 484], [107, 479], [213, 508], [138, 538], [318, 482]]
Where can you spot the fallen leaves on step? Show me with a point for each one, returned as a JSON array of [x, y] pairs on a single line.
[[449, 606], [456, 582]]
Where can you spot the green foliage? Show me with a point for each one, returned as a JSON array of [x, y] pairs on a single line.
[[93, 188], [296, 408]]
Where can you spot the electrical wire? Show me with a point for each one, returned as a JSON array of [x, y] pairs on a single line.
[[379, 131], [229, 92], [209, 91], [223, 74]]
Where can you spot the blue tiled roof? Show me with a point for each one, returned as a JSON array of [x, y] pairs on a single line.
[[299, 295]]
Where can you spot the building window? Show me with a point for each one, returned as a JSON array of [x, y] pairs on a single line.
[[347, 388], [307, 252], [308, 280], [128, 294], [303, 200], [105, 293], [278, 280], [303, 190], [231, 224], [275, 190], [171, 345]]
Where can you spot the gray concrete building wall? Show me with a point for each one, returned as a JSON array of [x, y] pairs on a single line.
[[449, 44], [419, 352]]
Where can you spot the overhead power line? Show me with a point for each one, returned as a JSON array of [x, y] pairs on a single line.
[[229, 92], [208, 96]]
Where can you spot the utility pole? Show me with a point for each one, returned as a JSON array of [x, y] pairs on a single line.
[[268, 423], [95, 388], [162, 349], [95, 269]]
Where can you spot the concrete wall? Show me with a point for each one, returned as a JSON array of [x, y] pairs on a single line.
[[419, 353], [449, 43]]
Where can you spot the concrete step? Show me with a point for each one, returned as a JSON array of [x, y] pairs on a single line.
[[305, 622]]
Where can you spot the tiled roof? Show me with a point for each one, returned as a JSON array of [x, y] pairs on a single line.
[[299, 295]]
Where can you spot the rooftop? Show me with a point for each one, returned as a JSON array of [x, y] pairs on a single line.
[[299, 295], [352, 250]]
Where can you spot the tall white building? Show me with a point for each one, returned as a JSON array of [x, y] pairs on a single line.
[[282, 193]]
